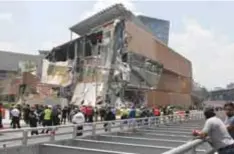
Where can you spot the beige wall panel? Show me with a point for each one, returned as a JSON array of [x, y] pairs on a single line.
[[144, 43], [164, 98], [171, 82]]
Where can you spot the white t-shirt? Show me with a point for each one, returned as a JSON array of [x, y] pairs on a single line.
[[217, 131], [15, 112], [78, 118]]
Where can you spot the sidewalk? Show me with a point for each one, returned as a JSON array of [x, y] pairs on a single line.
[[7, 123]]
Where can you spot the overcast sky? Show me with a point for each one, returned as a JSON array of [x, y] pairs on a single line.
[[201, 31]]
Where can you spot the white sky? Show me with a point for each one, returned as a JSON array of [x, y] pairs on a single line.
[[196, 31]]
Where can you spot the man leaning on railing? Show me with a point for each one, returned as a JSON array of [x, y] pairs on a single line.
[[217, 132]]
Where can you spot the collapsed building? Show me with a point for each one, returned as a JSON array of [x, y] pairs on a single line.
[[117, 60]]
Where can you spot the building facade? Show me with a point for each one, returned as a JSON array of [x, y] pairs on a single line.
[[12, 66], [116, 38], [159, 27], [222, 95]]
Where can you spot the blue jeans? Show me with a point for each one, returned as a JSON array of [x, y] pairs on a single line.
[[227, 151]]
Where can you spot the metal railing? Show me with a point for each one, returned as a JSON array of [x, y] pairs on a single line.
[[190, 148], [91, 129]]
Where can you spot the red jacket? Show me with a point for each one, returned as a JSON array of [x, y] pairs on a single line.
[[83, 109], [89, 111], [156, 112]]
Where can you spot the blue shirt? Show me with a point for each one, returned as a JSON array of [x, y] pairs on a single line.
[[230, 121], [132, 113]]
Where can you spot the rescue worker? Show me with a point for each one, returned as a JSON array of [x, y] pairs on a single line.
[[47, 118], [78, 119], [33, 119], [124, 113]]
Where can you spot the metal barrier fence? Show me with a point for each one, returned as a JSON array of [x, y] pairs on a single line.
[[191, 146], [97, 128]]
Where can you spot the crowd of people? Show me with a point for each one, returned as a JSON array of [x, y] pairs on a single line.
[[47, 115], [221, 133]]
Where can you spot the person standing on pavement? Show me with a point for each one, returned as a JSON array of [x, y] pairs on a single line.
[[187, 113], [55, 116], [47, 118], [78, 119], [33, 119], [229, 121], [124, 113], [40, 111], [102, 112], [216, 130], [89, 113], [132, 113], [26, 111], [108, 117], [64, 115], [69, 109], [16, 117], [96, 113], [156, 111]]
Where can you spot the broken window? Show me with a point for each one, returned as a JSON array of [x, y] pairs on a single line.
[[88, 49], [95, 38], [71, 51], [125, 57]]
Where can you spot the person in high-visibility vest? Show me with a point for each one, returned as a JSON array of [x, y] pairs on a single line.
[[47, 120], [124, 113]]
